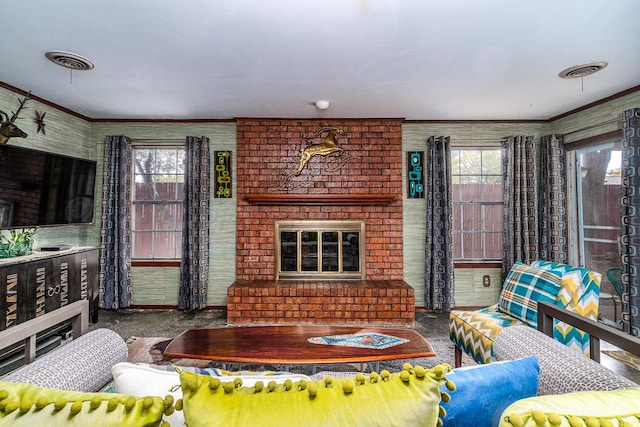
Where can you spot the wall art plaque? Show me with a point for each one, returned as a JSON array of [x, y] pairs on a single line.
[[222, 183], [415, 175]]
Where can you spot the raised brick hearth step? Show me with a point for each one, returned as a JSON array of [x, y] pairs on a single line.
[[330, 302]]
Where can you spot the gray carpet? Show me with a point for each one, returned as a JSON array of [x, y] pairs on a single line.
[[149, 350]]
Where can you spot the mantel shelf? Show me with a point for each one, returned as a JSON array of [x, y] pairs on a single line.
[[321, 199]]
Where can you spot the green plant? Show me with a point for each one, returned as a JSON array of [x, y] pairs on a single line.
[[20, 241]]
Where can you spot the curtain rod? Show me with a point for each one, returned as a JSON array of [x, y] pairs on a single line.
[[606, 122], [167, 140], [597, 125], [477, 139]]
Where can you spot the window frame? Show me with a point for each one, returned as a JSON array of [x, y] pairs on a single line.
[[575, 219], [159, 261], [458, 230]]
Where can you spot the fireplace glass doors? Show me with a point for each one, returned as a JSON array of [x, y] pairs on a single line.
[[319, 250]]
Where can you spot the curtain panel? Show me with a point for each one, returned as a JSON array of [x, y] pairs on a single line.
[[630, 231], [552, 200], [194, 269], [115, 240], [520, 211], [439, 278]]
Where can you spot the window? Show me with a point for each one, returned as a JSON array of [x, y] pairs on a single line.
[[476, 175], [157, 197], [596, 205], [341, 253]]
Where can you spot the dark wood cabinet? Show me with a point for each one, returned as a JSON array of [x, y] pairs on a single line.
[[44, 282]]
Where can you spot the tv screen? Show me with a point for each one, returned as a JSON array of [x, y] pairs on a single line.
[[44, 189]]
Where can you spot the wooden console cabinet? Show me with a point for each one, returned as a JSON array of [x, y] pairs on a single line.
[[43, 282]]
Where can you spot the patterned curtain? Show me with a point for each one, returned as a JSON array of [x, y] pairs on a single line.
[[439, 280], [115, 241], [194, 270], [630, 238], [552, 200], [520, 226]]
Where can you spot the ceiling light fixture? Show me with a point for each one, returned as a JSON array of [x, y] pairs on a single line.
[[321, 104]]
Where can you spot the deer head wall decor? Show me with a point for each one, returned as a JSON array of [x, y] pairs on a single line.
[[8, 129]]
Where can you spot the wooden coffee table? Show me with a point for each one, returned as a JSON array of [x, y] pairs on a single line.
[[290, 345]]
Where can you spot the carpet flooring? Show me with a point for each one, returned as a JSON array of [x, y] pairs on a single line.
[[149, 350]]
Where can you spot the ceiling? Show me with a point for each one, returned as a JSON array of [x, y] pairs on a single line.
[[412, 59]]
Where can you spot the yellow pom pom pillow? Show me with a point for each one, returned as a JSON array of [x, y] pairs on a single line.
[[408, 398], [29, 405], [141, 379], [583, 408]]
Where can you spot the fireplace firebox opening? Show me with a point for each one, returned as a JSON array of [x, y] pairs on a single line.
[[314, 250]]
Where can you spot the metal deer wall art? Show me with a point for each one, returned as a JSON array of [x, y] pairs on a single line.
[[328, 146], [8, 129]]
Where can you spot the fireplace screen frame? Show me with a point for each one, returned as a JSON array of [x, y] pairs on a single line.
[[346, 231]]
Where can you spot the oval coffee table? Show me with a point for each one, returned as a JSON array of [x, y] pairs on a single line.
[[300, 344]]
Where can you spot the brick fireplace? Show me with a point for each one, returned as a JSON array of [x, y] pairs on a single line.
[[362, 183]]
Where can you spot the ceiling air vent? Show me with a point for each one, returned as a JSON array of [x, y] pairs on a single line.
[[582, 70], [69, 60]]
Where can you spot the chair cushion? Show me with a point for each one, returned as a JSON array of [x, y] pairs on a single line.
[[579, 288], [474, 331], [576, 373], [524, 287], [579, 293]]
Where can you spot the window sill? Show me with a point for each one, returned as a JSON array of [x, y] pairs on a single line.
[[477, 264], [155, 263]]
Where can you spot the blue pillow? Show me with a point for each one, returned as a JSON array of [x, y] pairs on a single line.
[[483, 392]]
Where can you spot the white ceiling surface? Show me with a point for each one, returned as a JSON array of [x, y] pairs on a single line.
[[413, 59]]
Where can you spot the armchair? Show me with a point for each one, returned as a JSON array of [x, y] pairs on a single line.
[[573, 288]]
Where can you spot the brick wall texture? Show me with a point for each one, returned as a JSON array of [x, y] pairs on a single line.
[[268, 153], [372, 302]]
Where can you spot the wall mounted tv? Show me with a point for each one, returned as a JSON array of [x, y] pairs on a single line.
[[44, 189]]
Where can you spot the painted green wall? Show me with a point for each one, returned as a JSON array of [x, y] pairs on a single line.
[[64, 134], [67, 134], [608, 112], [469, 290], [159, 286]]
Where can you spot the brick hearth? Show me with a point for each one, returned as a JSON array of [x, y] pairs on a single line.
[[345, 302]]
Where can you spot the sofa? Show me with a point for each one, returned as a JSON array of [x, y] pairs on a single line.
[[573, 288], [534, 379]]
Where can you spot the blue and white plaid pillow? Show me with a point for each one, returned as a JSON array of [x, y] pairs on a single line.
[[524, 287]]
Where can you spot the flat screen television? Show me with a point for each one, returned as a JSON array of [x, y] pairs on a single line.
[[38, 188]]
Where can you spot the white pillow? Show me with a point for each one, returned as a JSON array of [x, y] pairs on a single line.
[[143, 380]]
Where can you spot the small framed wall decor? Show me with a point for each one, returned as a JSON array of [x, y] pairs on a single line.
[[415, 175], [222, 175]]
